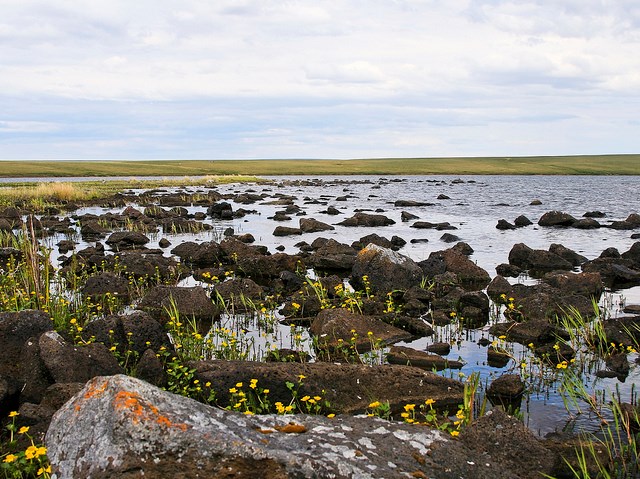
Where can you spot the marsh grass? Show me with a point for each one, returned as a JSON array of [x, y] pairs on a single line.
[[524, 165]]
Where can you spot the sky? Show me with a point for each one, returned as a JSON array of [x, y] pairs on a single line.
[[237, 79]]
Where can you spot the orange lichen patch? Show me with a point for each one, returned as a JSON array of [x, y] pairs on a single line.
[[292, 427], [143, 411], [94, 390]]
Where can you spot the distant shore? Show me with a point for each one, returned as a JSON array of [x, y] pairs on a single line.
[[525, 165]]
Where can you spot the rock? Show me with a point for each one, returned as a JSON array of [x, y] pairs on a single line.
[[440, 348], [556, 218], [410, 203], [367, 220], [92, 231], [535, 203], [615, 272], [164, 302], [505, 225], [221, 211], [536, 260], [449, 238], [66, 363], [149, 265], [633, 254], [505, 438], [506, 391], [118, 425], [124, 240], [310, 225], [522, 221], [386, 269], [105, 284], [586, 224], [508, 270], [420, 359], [16, 329], [536, 332], [467, 272], [239, 293], [585, 284], [571, 256], [349, 388], [332, 256], [202, 255], [286, 231], [374, 239], [406, 216], [335, 329], [151, 370]]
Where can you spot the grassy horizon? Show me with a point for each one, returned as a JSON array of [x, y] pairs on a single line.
[[524, 165]]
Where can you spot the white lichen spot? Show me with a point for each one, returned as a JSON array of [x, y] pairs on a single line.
[[380, 430], [391, 465], [366, 442]]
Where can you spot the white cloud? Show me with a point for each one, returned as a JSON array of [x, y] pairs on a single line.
[[333, 78]]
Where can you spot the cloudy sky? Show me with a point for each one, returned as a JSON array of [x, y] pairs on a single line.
[[318, 78]]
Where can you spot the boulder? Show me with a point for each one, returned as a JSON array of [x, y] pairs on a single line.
[[367, 220], [537, 260], [556, 218], [239, 293], [123, 240], [118, 425], [201, 255], [104, 284], [286, 231], [16, 329], [420, 359], [335, 329], [220, 211], [467, 272], [386, 270], [164, 302], [521, 221], [505, 225], [311, 225], [585, 284]]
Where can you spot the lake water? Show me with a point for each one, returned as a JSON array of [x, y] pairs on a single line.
[[475, 205]]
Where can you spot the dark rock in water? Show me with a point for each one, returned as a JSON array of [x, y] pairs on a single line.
[[535, 203], [8, 255], [473, 308], [449, 238], [406, 216], [373, 238], [571, 256], [246, 238], [497, 358], [556, 218], [631, 309], [410, 203], [615, 272], [420, 359], [147, 264], [441, 348], [557, 353], [331, 255], [585, 284], [586, 224], [205, 254], [164, 243], [625, 330], [505, 225], [506, 391], [535, 331], [105, 284], [521, 221], [633, 254], [367, 220], [333, 328], [610, 253], [443, 197], [221, 211], [238, 293], [331, 210], [466, 270], [594, 214], [286, 231], [386, 269], [92, 230], [310, 225], [619, 364], [462, 248], [161, 302], [508, 270], [635, 236], [280, 216], [397, 242], [537, 260], [419, 240]]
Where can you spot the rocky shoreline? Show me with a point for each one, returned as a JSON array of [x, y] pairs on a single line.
[[136, 290]]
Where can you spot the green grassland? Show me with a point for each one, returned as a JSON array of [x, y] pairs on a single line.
[[529, 165]]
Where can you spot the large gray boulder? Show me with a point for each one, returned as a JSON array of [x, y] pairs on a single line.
[[121, 427]]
